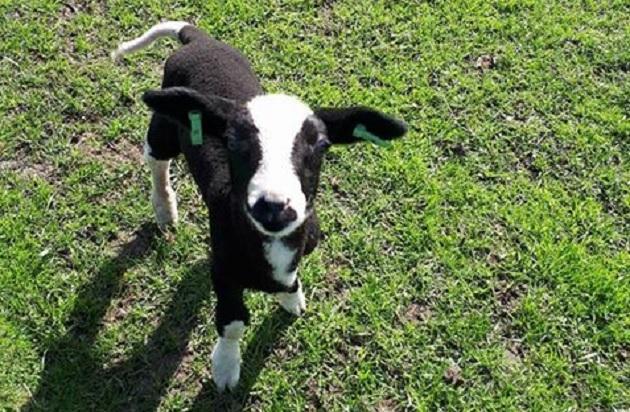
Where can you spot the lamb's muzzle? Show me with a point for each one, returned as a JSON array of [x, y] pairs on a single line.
[[273, 216]]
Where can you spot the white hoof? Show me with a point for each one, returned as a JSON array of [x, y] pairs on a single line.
[[294, 303], [165, 208], [226, 364]]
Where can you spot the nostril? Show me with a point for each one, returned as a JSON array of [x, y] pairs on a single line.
[[264, 207], [274, 207], [290, 214], [273, 216]]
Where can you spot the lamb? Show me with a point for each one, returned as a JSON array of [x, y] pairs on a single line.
[[256, 160]]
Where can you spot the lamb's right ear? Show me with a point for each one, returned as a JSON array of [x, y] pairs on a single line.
[[356, 124], [175, 103]]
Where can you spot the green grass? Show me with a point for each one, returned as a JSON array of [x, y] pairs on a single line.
[[482, 263]]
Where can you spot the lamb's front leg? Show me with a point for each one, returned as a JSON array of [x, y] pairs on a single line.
[[293, 300], [231, 318], [162, 194]]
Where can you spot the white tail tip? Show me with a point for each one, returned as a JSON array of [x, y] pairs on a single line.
[[165, 29]]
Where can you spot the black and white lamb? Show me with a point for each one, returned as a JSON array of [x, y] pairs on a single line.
[[256, 159]]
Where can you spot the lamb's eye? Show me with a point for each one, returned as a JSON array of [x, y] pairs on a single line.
[[232, 144], [236, 142], [322, 143]]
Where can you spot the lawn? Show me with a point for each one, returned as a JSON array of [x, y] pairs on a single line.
[[481, 263]]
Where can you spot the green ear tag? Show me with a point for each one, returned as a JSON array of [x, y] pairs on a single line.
[[196, 137], [362, 133]]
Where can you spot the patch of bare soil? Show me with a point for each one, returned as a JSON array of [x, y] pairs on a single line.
[[453, 375], [111, 153], [387, 405], [508, 296], [486, 62], [415, 313], [28, 170]]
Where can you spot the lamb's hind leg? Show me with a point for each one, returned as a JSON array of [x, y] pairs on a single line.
[[161, 146], [163, 196]]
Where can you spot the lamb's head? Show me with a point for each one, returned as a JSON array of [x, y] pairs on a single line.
[[275, 145]]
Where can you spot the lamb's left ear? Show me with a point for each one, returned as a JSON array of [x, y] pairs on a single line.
[[175, 103], [354, 124]]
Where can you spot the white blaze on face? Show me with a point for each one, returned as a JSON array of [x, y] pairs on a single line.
[[279, 119]]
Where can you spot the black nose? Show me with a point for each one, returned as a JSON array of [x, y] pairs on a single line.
[[273, 216]]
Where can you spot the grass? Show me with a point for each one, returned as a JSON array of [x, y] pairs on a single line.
[[480, 264]]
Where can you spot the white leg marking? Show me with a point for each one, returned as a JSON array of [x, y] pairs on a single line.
[[295, 302], [226, 356], [162, 194]]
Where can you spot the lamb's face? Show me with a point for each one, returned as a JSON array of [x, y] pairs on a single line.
[[276, 146]]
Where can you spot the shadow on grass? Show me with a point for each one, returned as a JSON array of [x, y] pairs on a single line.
[[74, 378]]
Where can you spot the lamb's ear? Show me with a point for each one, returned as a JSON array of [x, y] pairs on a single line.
[[354, 124], [175, 103]]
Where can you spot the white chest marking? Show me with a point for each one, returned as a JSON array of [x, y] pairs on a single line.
[[280, 258]]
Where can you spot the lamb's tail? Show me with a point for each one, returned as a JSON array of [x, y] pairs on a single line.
[[165, 29]]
